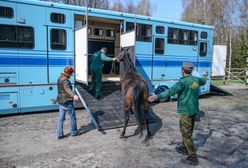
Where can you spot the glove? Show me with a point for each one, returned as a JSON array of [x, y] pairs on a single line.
[[75, 97], [114, 59]]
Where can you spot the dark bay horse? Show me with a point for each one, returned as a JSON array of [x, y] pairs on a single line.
[[135, 93]]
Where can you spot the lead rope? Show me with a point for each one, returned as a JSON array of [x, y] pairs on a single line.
[[112, 68]]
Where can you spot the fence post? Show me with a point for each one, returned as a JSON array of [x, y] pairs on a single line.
[[246, 74]]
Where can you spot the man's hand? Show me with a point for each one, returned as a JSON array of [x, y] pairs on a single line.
[[153, 97], [76, 98], [205, 73], [115, 59]]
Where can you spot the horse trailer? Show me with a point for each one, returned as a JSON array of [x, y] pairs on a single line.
[[38, 39]]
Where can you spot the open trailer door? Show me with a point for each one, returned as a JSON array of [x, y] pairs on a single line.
[[81, 54], [128, 41]]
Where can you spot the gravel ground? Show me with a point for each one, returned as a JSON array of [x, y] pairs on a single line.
[[221, 138]]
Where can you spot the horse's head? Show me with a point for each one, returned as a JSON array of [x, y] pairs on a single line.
[[123, 53]]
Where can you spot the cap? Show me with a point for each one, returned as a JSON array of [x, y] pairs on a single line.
[[68, 70], [188, 67], [105, 49]]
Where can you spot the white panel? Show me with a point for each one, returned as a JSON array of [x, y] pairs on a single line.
[[219, 60], [81, 55], [128, 39]]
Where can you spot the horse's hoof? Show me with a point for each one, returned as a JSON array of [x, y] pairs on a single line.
[[122, 136], [146, 140]]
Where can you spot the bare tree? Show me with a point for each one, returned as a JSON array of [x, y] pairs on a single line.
[[101, 4], [229, 18], [130, 7], [118, 6], [144, 7]]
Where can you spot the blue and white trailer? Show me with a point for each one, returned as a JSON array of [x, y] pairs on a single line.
[[38, 39]]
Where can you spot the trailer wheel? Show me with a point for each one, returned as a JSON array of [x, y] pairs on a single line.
[[161, 89]]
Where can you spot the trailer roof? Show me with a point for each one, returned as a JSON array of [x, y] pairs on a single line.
[[107, 12]]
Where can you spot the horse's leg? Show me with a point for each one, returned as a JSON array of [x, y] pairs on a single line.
[[147, 124], [126, 113], [146, 108]]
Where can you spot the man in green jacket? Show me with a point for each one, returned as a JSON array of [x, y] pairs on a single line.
[[187, 89], [96, 65]]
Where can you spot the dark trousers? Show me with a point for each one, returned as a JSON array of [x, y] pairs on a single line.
[[186, 127], [96, 81]]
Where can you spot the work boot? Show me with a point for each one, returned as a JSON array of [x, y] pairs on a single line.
[[190, 160], [99, 97], [182, 150], [61, 137]]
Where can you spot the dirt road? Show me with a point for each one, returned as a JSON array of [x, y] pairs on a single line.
[[221, 139]]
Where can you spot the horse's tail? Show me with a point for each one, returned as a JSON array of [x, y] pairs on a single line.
[[139, 104]]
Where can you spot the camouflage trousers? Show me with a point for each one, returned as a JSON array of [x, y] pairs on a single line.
[[186, 127]]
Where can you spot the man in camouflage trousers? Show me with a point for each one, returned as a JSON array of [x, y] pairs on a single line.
[[65, 99], [187, 89]]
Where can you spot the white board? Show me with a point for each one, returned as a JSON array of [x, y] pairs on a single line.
[[219, 60], [128, 39], [81, 55]]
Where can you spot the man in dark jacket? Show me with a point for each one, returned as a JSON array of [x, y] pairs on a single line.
[[96, 65], [187, 89], [65, 99]]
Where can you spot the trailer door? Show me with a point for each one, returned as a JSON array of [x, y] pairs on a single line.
[[204, 60], [128, 41], [81, 54]]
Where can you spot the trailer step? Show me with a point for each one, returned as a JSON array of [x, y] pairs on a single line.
[[106, 113]]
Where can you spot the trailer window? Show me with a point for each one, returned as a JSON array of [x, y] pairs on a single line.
[[129, 26], [25, 37], [98, 32], [193, 37], [6, 12], [182, 36], [159, 46], [8, 36], [203, 49], [172, 35], [160, 29], [143, 31], [204, 35], [58, 39], [89, 31], [16, 37], [57, 18], [110, 33]]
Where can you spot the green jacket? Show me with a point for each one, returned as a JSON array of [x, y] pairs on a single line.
[[65, 93], [187, 89], [98, 59]]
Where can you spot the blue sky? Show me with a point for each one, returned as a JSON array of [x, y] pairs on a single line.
[[167, 9]]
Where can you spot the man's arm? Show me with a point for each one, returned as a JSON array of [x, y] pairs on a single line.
[[105, 58], [173, 90], [203, 80], [68, 90]]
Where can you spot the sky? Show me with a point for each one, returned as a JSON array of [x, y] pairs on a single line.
[[167, 9]]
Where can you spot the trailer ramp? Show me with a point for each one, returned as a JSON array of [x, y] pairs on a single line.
[[108, 112], [217, 90]]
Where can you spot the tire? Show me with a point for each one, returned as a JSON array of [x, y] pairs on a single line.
[[161, 89]]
